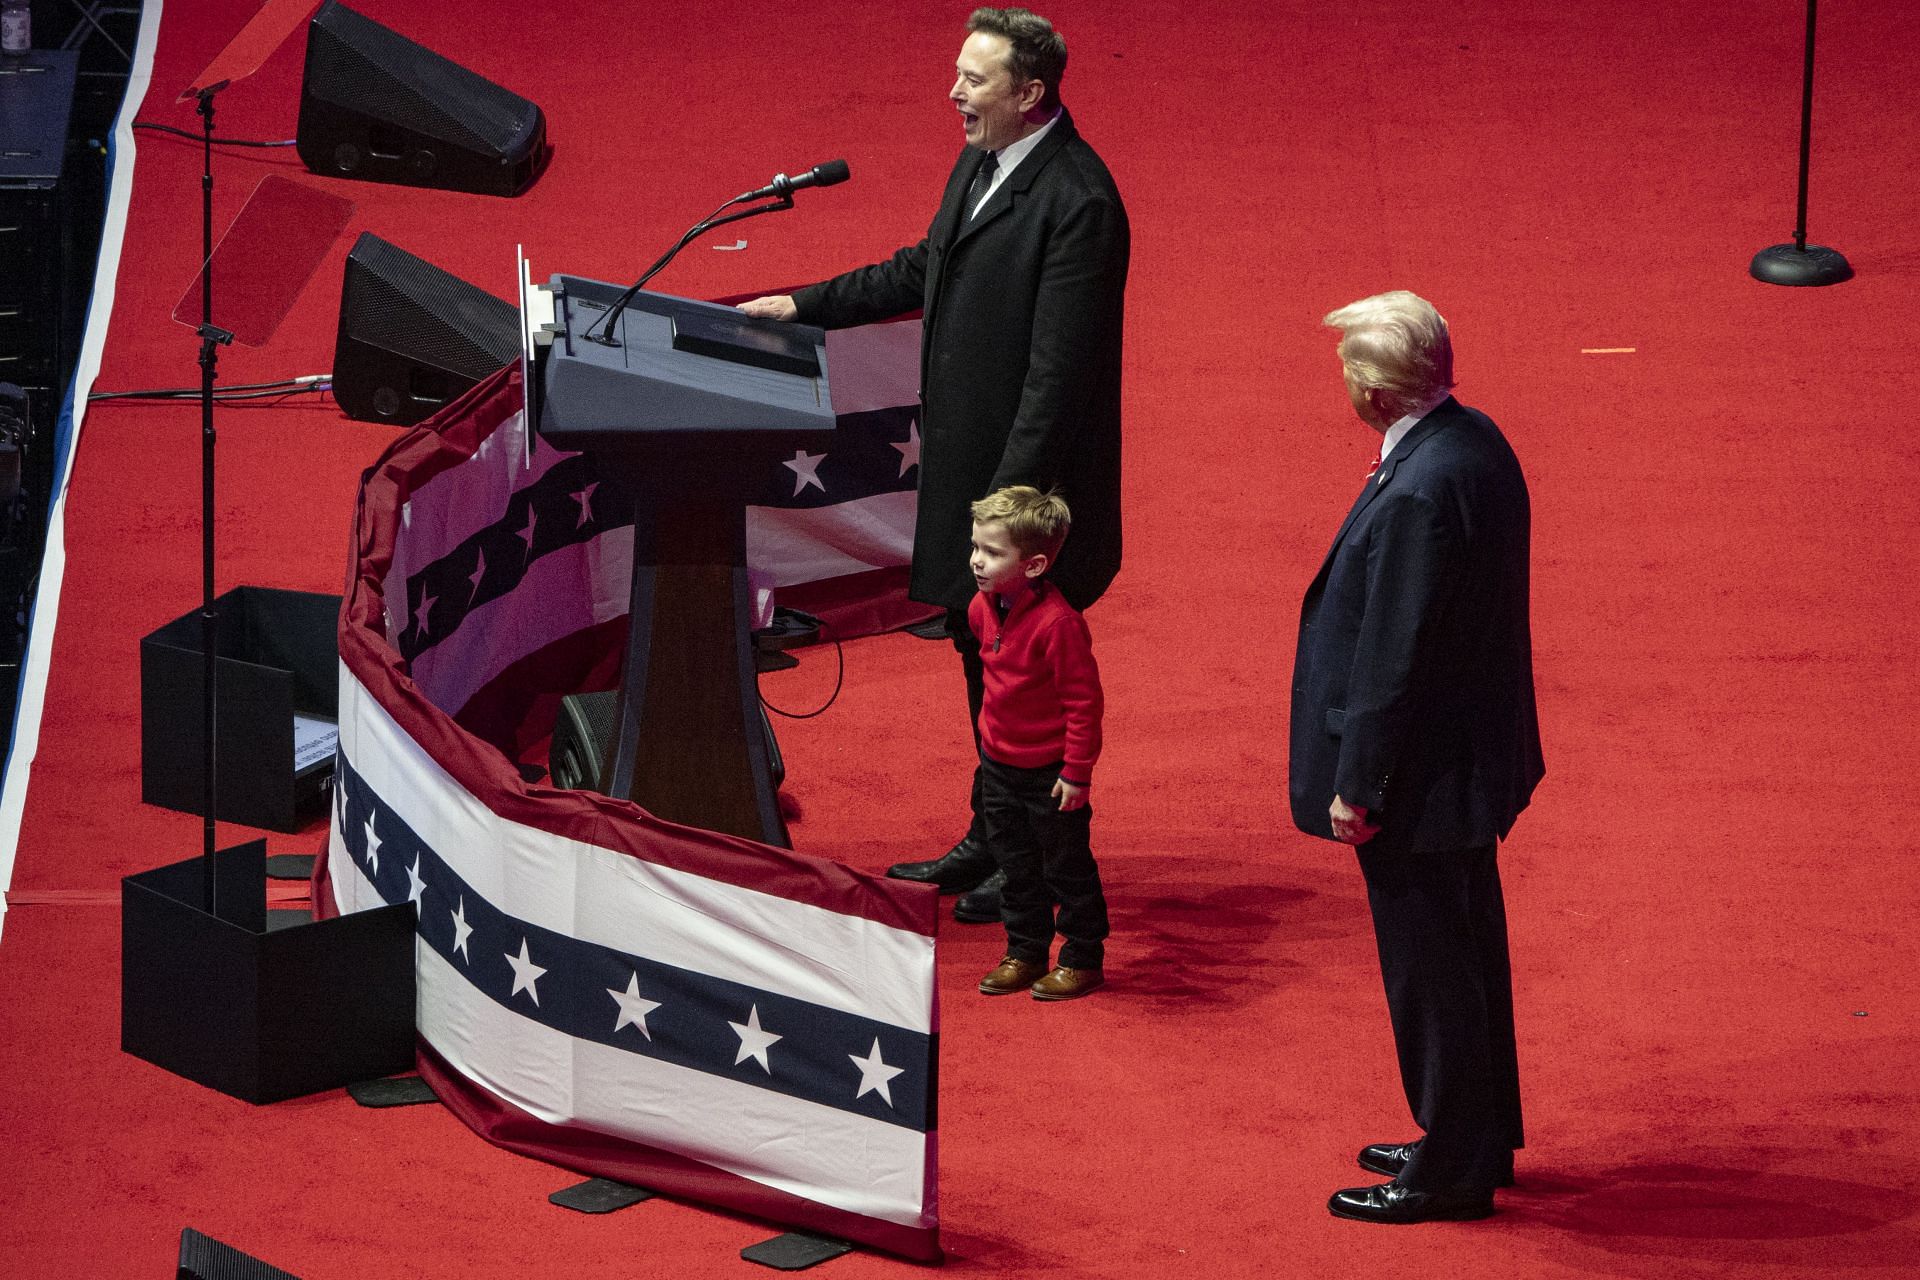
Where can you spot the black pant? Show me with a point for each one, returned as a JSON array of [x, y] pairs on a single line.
[[1048, 859], [1441, 926], [960, 631]]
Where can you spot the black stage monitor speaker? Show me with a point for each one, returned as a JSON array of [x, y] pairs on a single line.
[[583, 740], [204, 1258], [412, 336], [375, 105]]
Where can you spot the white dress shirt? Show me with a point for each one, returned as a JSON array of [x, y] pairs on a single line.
[[1406, 422], [1009, 158]]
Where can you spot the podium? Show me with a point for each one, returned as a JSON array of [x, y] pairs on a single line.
[[685, 407]]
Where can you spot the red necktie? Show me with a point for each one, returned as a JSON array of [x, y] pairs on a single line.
[[1375, 467]]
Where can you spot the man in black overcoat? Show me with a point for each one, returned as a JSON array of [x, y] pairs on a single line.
[[1021, 282], [1414, 738]]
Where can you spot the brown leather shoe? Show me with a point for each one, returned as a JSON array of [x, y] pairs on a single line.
[[1067, 984], [1011, 976]]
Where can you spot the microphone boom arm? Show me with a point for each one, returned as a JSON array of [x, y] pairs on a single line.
[[606, 338]]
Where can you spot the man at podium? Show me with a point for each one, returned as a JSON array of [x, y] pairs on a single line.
[[1021, 281]]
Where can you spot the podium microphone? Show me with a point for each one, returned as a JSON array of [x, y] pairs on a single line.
[[780, 191], [832, 173]]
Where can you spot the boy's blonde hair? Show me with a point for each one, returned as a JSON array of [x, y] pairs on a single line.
[[1036, 522]]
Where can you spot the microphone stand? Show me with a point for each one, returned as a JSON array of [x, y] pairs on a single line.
[[712, 220], [1800, 263], [212, 338]]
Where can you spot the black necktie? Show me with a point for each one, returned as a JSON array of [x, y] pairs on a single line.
[[982, 179]]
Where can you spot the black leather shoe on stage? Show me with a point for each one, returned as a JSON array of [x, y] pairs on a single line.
[[1391, 1202], [1391, 1157], [982, 904], [955, 871], [1387, 1157]]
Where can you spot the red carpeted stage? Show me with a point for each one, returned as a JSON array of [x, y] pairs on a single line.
[[1709, 898]]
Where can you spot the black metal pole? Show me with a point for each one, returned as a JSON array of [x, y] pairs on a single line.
[[1806, 133], [210, 340], [1797, 263]]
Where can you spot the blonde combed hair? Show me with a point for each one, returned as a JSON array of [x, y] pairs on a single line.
[[1398, 344], [1036, 522]]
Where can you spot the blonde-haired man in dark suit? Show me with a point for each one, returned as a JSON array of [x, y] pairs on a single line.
[[1414, 739]]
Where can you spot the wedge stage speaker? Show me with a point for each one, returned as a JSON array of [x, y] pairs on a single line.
[[583, 739], [204, 1258], [377, 106], [412, 337]]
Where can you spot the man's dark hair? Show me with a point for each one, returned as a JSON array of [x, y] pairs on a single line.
[[1035, 49]]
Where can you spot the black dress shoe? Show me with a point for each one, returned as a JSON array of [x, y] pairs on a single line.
[[1388, 1157], [955, 871], [1391, 1202], [1391, 1157], [982, 905]]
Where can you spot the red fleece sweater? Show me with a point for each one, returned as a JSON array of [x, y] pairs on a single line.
[[1043, 699]]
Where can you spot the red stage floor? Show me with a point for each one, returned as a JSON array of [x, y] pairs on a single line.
[[1710, 897]]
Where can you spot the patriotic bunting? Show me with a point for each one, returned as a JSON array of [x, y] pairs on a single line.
[[701, 1014]]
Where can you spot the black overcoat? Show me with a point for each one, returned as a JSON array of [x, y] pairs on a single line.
[[1413, 675], [1020, 360]]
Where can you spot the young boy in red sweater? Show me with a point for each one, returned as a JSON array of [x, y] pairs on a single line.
[[1039, 738]]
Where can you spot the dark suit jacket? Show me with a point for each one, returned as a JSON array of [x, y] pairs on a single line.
[[1413, 678], [1020, 364]]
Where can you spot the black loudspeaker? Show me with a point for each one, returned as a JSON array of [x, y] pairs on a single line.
[[583, 739], [375, 105], [413, 337], [204, 1258]]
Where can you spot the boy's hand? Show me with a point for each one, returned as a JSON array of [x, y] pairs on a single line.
[[1070, 795]]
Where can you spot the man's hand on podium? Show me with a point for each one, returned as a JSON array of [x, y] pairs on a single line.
[[778, 306]]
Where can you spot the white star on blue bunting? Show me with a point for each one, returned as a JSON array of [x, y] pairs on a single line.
[[754, 1042], [417, 882], [875, 1074], [525, 974], [633, 1009], [425, 608], [585, 498], [806, 470], [461, 929], [526, 532], [909, 448]]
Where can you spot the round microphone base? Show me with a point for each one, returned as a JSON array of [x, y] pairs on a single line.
[[1788, 264]]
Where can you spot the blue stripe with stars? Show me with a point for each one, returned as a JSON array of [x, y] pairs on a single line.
[[566, 506], [867, 456], [871, 453], [816, 1058]]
